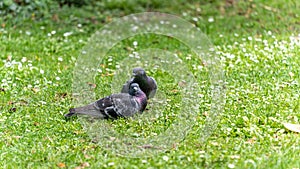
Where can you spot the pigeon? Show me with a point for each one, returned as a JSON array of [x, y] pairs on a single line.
[[115, 105], [147, 84]]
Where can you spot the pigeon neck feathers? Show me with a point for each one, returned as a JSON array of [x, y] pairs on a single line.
[[139, 95]]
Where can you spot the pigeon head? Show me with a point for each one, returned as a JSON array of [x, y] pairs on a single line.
[[138, 72], [134, 89]]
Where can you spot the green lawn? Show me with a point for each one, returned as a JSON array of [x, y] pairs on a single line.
[[257, 42]]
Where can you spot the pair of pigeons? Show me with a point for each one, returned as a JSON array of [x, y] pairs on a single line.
[[132, 99]]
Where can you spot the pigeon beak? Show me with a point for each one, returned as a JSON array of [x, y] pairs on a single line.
[[135, 88]]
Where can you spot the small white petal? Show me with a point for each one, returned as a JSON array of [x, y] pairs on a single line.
[[166, 158], [135, 43], [111, 164], [231, 165], [68, 34], [24, 59]]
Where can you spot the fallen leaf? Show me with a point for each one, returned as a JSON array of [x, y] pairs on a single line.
[[292, 127], [251, 140], [17, 137], [174, 91], [205, 114], [35, 90], [87, 156], [55, 17], [61, 95], [291, 74], [108, 19], [174, 145], [148, 146], [182, 83], [107, 74], [9, 57], [92, 85], [85, 164], [61, 165]]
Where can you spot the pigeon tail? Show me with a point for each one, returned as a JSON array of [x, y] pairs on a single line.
[[71, 112], [90, 109]]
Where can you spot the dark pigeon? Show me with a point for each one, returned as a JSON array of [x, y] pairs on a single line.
[[146, 83], [115, 105]]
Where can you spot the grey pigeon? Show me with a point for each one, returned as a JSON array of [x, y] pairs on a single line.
[[115, 105], [147, 84]]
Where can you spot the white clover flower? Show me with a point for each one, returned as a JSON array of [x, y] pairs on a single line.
[[68, 34], [195, 19], [231, 166], [269, 33], [24, 59], [135, 43], [166, 158]]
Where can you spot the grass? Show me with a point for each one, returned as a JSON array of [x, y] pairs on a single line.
[[256, 41]]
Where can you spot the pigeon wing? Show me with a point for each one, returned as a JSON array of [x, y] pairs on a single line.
[[153, 87], [125, 88], [125, 105]]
